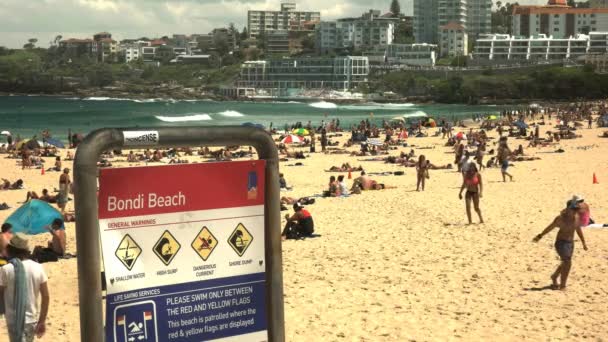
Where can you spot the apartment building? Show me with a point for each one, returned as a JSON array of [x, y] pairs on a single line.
[[479, 17], [371, 29], [558, 20], [405, 54], [453, 40], [76, 47], [104, 47], [286, 19], [277, 42], [340, 73], [541, 47], [429, 15]]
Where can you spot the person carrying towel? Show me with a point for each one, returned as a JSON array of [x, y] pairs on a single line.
[[22, 281]]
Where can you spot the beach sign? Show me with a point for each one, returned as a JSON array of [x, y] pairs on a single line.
[[184, 253], [188, 252]]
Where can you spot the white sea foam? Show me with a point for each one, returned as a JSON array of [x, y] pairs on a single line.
[[323, 105], [231, 113], [415, 114], [378, 106], [95, 98], [185, 118]]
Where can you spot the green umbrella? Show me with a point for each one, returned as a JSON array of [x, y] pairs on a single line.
[[300, 131]]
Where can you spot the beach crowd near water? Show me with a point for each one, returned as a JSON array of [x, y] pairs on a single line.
[[393, 230]]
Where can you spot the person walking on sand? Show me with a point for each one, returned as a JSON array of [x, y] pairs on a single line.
[[473, 183], [422, 169], [568, 221], [64, 189], [502, 157], [22, 281]]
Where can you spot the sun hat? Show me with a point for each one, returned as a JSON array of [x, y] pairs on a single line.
[[578, 198], [20, 241]]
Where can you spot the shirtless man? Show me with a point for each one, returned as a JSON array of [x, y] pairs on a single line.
[[568, 222]]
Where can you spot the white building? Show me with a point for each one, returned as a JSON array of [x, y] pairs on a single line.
[[369, 30], [405, 54], [287, 19], [558, 20], [541, 47], [453, 40], [340, 73], [598, 43]]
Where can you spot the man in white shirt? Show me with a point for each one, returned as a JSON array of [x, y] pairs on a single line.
[[23, 279]]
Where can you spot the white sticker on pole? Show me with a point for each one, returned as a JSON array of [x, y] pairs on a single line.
[[141, 137]]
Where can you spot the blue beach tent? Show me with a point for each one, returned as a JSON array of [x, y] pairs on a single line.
[[32, 217], [54, 142]]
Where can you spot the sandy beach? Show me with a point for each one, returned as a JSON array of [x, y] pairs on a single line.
[[401, 265]]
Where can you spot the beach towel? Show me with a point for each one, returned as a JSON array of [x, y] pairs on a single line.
[[20, 300]]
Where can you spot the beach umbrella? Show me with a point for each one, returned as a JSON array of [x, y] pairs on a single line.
[[398, 118], [300, 131], [374, 142], [5, 133], [292, 139], [54, 142], [32, 217]]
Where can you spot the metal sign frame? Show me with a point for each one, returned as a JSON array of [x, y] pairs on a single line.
[[87, 220]]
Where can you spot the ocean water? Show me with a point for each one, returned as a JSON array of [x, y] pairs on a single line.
[[29, 115]]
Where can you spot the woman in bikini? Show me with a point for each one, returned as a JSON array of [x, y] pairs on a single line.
[[421, 172], [474, 185]]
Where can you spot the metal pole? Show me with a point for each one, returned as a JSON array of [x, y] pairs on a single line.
[[87, 221]]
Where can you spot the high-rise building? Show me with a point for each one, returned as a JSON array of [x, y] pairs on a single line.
[[426, 21], [429, 15], [287, 19], [479, 17]]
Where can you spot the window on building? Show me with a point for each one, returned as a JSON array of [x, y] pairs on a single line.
[[556, 29]]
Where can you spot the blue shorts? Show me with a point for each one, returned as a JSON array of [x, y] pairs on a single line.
[[504, 166]]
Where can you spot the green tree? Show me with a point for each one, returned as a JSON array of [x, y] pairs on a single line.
[[31, 43], [395, 8], [404, 33], [244, 34]]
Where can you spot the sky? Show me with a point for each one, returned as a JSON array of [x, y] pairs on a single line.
[[21, 20]]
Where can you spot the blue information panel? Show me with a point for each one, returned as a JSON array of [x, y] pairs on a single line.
[[199, 311]]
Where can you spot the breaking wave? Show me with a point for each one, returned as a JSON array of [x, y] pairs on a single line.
[[324, 105], [231, 113], [185, 118]]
